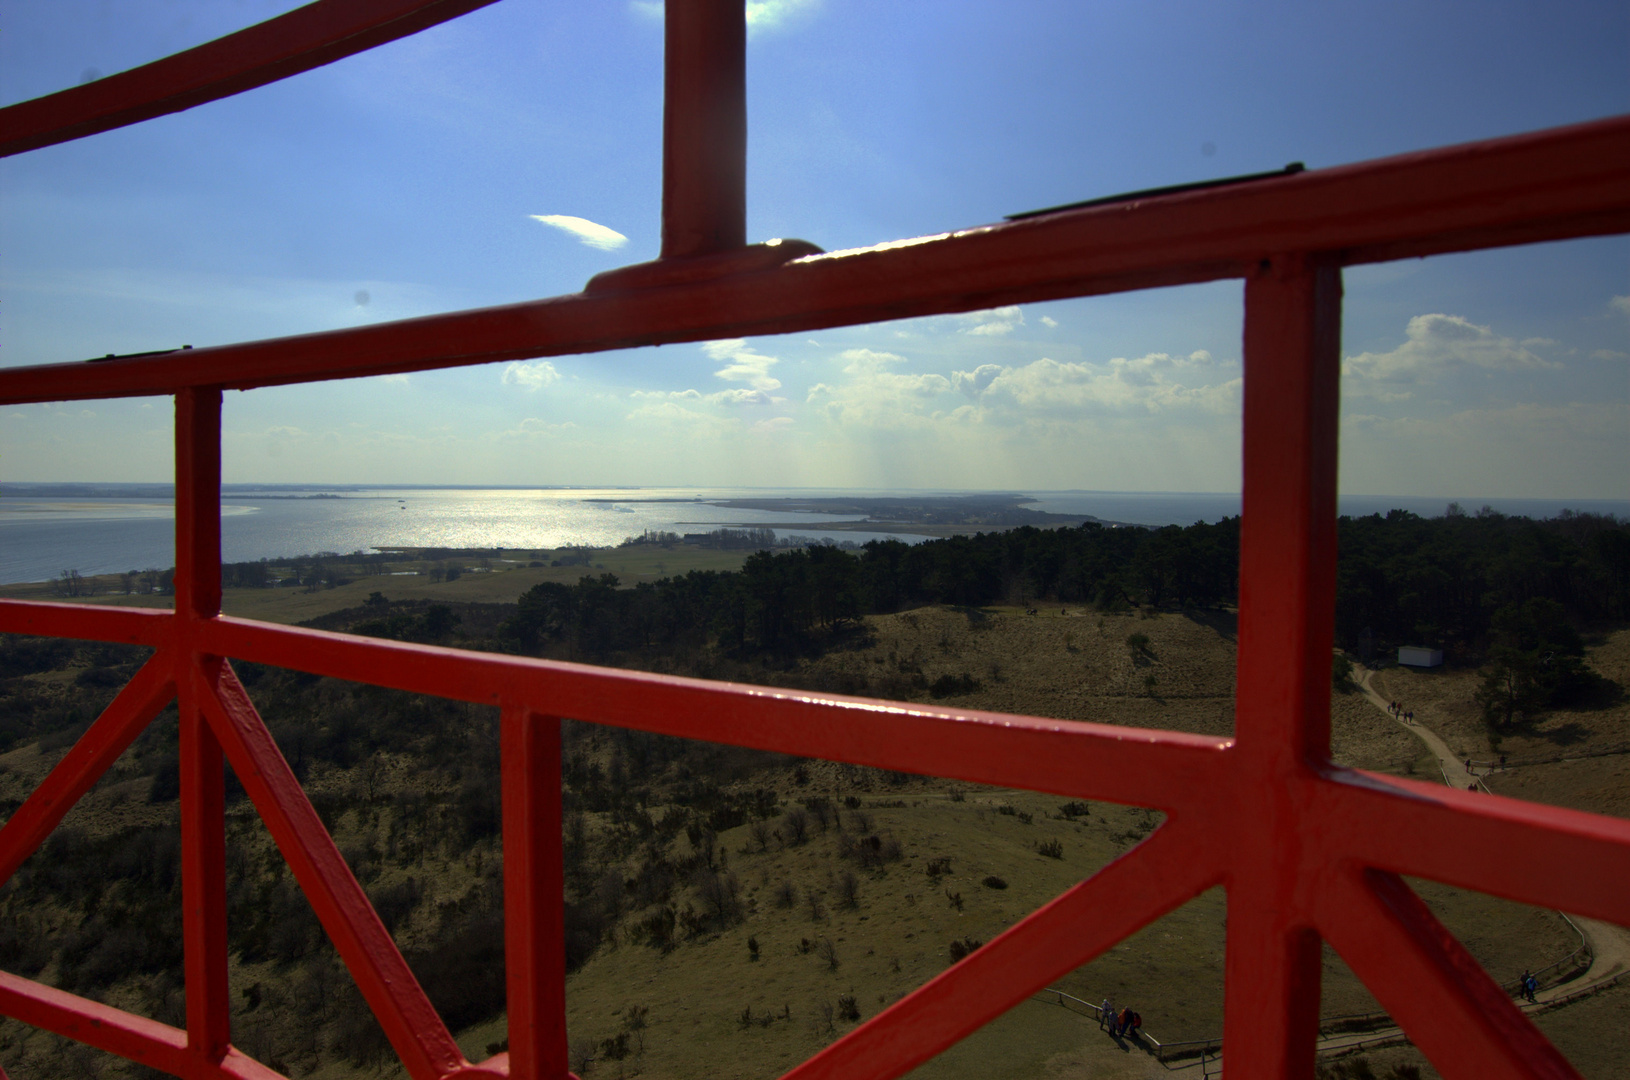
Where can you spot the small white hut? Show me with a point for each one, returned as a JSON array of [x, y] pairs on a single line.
[[1415, 656]]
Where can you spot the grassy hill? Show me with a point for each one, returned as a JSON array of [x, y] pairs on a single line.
[[854, 885]]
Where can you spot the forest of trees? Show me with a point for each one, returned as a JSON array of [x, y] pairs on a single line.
[[1402, 579]]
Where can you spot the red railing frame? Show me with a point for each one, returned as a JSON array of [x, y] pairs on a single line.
[[1307, 850]]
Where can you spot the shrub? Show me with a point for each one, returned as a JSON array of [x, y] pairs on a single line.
[[795, 823], [827, 952], [994, 882], [786, 895], [849, 889], [948, 685], [955, 898], [1051, 848], [848, 1008], [752, 948], [964, 946], [1073, 810], [938, 867]]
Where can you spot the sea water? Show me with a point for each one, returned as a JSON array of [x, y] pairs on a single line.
[[116, 528]]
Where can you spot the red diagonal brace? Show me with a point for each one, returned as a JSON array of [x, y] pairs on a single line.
[[414, 1029]]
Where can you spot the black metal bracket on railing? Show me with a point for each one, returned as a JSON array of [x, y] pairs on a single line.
[[1171, 189]]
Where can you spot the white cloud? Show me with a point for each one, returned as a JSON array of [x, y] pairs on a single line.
[[875, 395], [976, 382], [1049, 322], [1438, 345], [867, 360], [530, 376], [742, 364], [773, 425], [993, 323], [774, 14], [761, 14], [1620, 304], [589, 232], [1153, 383]]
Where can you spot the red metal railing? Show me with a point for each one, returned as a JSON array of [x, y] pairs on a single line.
[[1307, 850]]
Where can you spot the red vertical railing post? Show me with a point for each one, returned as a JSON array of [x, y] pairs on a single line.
[[203, 769], [704, 128], [1286, 620], [198, 503], [534, 895]]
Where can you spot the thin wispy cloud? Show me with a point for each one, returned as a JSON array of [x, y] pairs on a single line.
[[742, 364], [591, 233]]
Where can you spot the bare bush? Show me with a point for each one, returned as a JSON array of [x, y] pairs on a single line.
[[849, 889], [827, 952], [786, 895], [821, 809], [795, 826]]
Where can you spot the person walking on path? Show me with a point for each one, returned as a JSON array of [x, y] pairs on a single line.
[[1106, 1014], [1123, 1022]]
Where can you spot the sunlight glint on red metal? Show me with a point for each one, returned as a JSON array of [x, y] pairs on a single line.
[[1306, 849]]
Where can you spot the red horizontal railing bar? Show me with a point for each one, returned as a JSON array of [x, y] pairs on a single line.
[[1550, 185], [1548, 856], [86, 622], [1172, 770], [305, 38]]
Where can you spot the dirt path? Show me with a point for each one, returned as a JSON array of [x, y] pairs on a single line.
[[1449, 766]]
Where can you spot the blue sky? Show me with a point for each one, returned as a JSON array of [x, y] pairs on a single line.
[[412, 180]]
